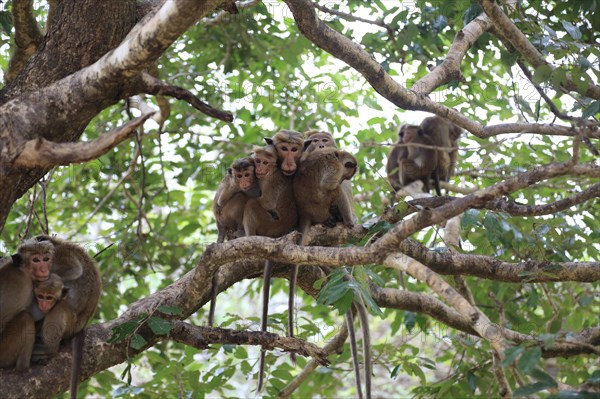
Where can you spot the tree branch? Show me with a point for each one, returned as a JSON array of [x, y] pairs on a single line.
[[27, 37], [515, 209], [354, 55], [520, 42], [42, 153], [202, 337], [155, 86]]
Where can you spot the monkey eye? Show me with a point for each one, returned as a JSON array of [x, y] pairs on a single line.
[[35, 259], [294, 149], [42, 297], [46, 259]]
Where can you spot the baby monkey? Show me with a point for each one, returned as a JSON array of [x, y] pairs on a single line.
[[18, 338], [239, 184]]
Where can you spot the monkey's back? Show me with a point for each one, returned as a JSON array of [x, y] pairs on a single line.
[[317, 184], [81, 278], [15, 288]]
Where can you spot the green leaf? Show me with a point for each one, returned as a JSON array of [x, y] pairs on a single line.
[[170, 310], [530, 389], [592, 109], [542, 74], [6, 21], [572, 30], [529, 359], [510, 354], [160, 326], [137, 342], [122, 331]]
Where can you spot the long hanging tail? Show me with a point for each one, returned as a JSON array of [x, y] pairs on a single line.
[[366, 336], [213, 301], [354, 352], [291, 307], [77, 358], [263, 321]]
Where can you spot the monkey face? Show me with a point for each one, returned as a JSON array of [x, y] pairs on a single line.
[[264, 166], [39, 265], [45, 300], [409, 133], [289, 153], [319, 141], [244, 178]]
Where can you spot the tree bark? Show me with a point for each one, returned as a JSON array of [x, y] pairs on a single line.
[[78, 37]]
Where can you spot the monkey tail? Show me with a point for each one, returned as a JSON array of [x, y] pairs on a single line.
[[354, 352], [436, 179], [263, 321], [213, 301], [293, 277], [77, 357], [364, 324]]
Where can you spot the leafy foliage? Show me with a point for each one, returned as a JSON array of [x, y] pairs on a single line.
[[145, 207]]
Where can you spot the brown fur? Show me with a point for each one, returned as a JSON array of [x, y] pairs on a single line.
[[342, 209], [289, 145], [273, 214], [32, 261], [79, 273], [413, 163], [18, 338], [237, 186], [318, 183], [444, 134]]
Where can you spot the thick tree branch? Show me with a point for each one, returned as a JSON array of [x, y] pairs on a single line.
[[202, 337], [515, 209], [449, 69], [42, 153], [428, 217], [354, 55], [27, 37], [520, 42], [478, 320]]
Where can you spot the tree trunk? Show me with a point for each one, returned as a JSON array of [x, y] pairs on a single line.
[[80, 33]]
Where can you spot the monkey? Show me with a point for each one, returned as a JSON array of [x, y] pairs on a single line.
[[342, 209], [69, 316], [18, 339], [273, 214], [444, 134], [317, 184], [239, 184], [289, 145], [317, 139], [413, 163], [32, 262]]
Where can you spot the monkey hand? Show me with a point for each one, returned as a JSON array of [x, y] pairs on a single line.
[[273, 214]]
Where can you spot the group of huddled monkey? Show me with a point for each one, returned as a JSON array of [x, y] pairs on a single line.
[[49, 290], [295, 181], [298, 180]]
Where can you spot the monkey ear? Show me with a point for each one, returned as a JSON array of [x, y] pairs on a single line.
[[306, 144], [269, 141], [229, 171], [17, 259]]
